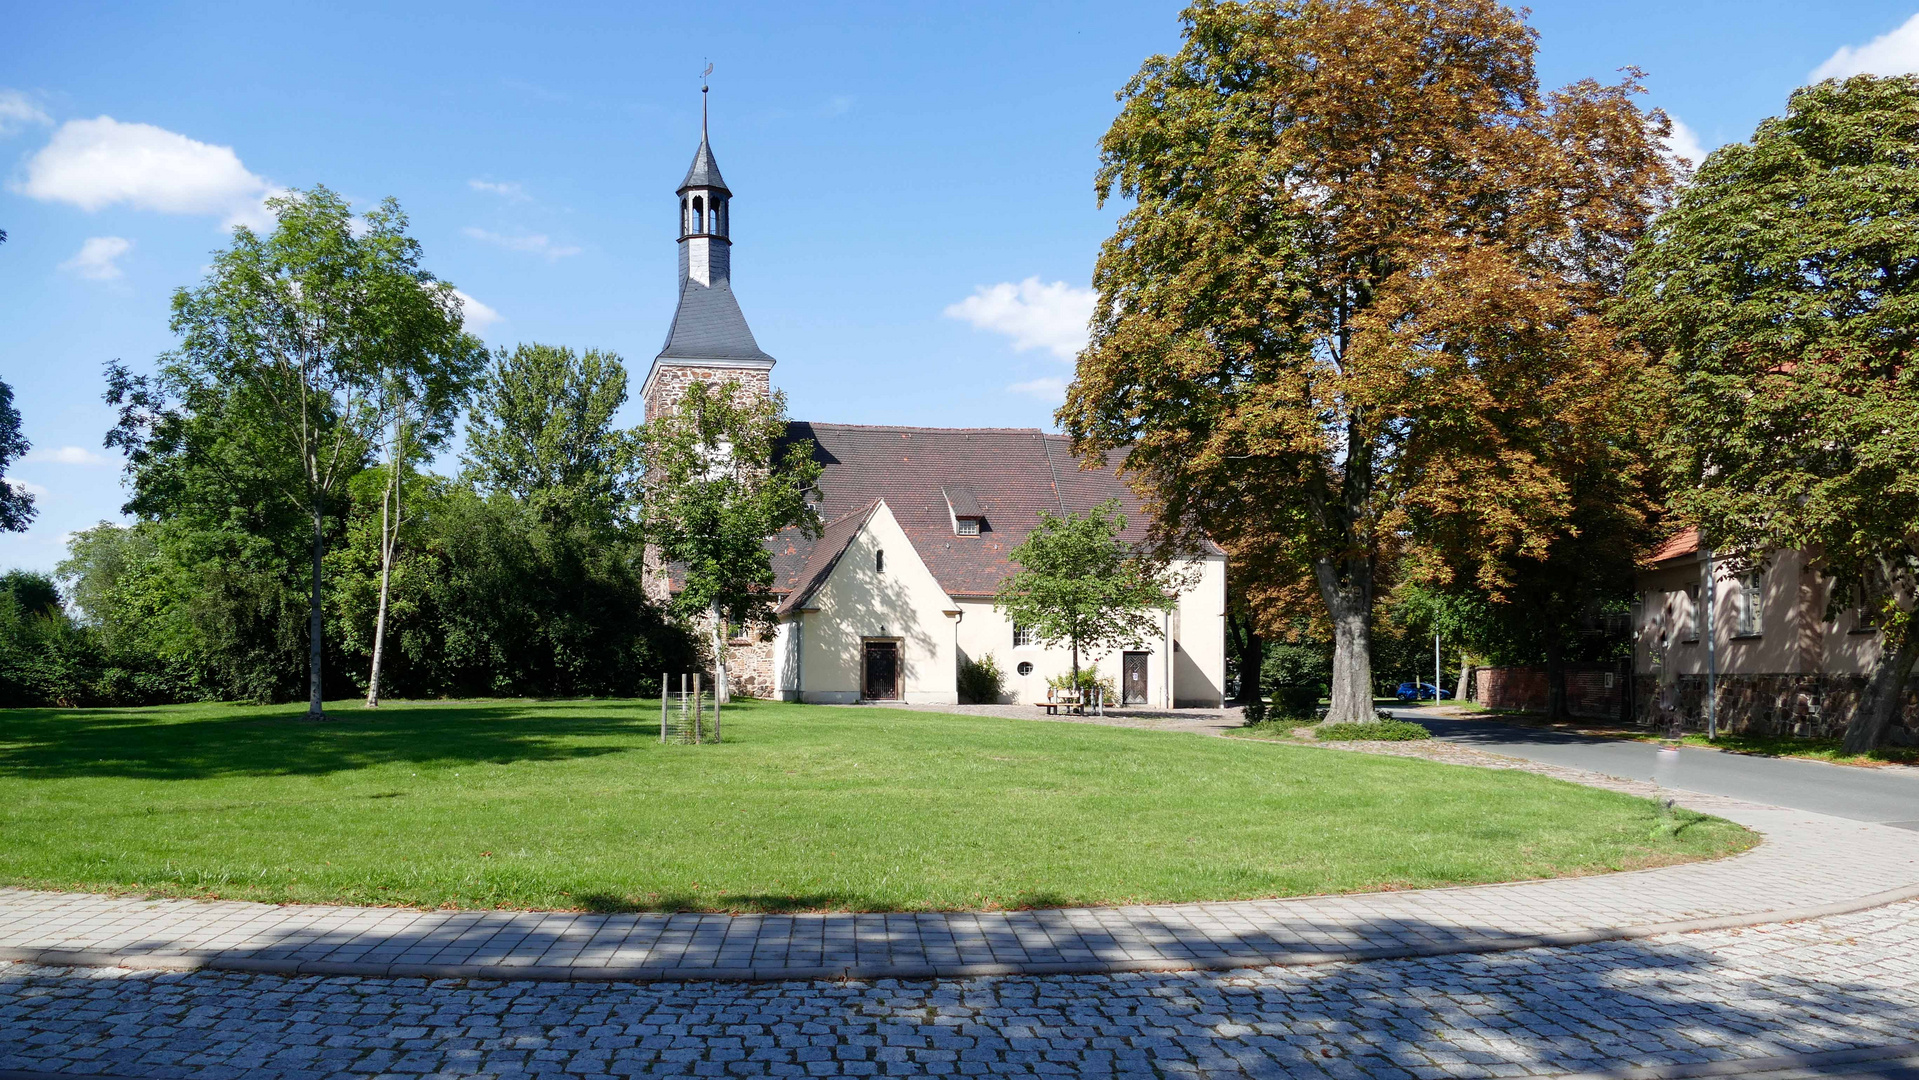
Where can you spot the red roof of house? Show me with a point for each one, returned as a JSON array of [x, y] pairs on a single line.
[[1011, 475], [1682, 543]]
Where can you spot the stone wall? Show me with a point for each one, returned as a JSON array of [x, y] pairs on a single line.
[[671, 380], [1511, 688], [749, 668], [1810, 706]]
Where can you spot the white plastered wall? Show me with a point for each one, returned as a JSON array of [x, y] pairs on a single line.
[[1194, 671], [858, 603]]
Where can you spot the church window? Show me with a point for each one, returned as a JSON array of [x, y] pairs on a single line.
[[879, 562], [686, 217], [699, 214], [1023, 637]]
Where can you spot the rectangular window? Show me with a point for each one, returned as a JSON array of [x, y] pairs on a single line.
[[969, 526], [1023, 637], [1690, 630], [1751, 603]]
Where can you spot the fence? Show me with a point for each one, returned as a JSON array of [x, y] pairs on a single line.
[[683, 712]]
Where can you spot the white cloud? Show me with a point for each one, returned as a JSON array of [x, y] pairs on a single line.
[[508, 190], [1033, 314], [98, 258], [97, 163], [69, 455], [1894, 53], [26, 486], [478, 316], [533, 243], [17, 111], [1051, 389], [1684, 146]]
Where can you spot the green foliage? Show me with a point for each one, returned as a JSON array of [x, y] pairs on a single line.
[[1783, 294], [1255, 712], [542, 431], [1078, 585], [1317, 344], [1297, 701], [721, 479], [293, 351], [981, 682], [1086, 680], [16, 504], [1379, 730]]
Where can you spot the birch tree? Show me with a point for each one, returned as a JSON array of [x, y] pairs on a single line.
[[300, 336]]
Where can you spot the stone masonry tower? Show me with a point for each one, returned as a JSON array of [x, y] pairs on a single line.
[[709, 338]]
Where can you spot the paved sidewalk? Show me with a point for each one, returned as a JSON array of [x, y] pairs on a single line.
[[1808, 865], [1828, 990]]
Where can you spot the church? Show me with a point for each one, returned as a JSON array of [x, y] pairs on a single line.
[[898, 589]]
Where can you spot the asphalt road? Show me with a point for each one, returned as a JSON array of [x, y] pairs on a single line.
[[1888, 795]]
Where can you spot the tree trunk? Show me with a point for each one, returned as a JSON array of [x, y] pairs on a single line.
[[1076, 663], [721, 685], [1349, 602], [1885, 693], [1252, 659], [387, 542], [315, 628], [1465, 676]]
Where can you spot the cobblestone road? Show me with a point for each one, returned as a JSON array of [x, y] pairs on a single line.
[[1843, 982]]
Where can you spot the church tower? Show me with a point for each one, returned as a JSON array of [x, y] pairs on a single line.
[[709, 338]]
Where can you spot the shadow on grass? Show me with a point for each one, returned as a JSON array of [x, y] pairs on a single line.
[[733, 903], [47, 744]]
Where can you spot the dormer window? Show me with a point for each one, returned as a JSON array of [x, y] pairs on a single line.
[[963, 506]]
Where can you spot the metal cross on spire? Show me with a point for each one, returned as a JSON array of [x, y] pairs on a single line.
[[703, 75]]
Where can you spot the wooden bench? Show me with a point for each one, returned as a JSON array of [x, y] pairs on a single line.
[[1072, 701]]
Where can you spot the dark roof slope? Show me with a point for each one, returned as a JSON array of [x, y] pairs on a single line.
[[704, 172], [708, 325], [816, 564], [1013, 474]]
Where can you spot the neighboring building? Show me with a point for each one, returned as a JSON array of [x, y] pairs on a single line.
[[897, 591], [1785, 661]]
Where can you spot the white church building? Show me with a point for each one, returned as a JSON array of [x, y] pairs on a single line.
[[897, 591]]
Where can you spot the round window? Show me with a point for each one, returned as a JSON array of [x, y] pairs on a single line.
[[1026, 668]]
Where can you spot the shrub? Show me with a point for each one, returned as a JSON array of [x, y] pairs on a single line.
[[1297, 701], [981, 681], [1255, 712], [1089, 681], [1381, 730]]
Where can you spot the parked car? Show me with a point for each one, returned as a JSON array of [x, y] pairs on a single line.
[[1421, 692]]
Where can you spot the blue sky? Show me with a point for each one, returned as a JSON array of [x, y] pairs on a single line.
[[914, 221]]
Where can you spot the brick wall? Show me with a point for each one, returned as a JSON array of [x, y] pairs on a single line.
[[1511, 688], [1593, 691]]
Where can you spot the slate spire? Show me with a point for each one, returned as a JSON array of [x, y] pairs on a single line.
[[708, 329]]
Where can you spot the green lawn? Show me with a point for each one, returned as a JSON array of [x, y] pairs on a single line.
[[577, 805]]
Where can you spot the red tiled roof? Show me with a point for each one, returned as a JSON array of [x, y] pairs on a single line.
[[1682, 543], [1012, 474]]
